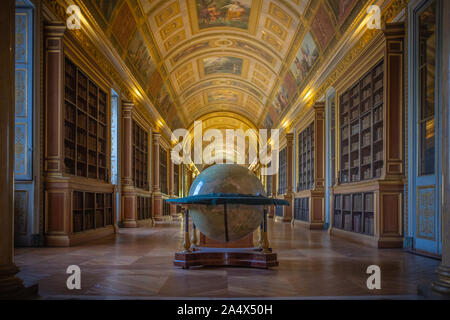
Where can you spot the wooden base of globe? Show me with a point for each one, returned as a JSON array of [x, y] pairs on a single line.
[[230, 257]]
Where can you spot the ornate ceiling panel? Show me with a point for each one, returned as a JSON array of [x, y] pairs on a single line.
[[248, 57]]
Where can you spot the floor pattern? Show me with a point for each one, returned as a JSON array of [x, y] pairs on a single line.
[[138, 263]]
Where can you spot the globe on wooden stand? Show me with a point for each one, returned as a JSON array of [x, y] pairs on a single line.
[[227, 203]]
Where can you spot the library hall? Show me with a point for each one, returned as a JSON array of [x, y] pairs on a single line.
[[223, 149]]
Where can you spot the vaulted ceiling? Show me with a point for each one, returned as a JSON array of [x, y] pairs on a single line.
[[250, 58]]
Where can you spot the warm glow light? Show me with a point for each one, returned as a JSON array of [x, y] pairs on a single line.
[[136, 91], [159, 123], [308, 95], [285, 124]]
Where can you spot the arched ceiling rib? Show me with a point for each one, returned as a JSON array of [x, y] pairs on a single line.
[[248, 57]]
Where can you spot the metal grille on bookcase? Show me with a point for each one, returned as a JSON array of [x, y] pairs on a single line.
[[91, 210], [85, 125], [361, 125], [282, 171], [140, 157], [354, 212], [306, 159], [144, 207], [301, 209], [166, 208]]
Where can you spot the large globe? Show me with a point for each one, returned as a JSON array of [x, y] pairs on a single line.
[[241, 219]]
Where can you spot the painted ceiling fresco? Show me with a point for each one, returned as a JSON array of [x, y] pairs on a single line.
[[247, 57]]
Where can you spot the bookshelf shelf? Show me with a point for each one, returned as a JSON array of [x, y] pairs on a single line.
[[91, 211], [365, 136], [309, 196], [140, 157], [82, 128]]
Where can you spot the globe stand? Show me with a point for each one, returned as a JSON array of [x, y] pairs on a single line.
[[258, 257]]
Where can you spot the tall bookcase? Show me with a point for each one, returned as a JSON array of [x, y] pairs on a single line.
[[282, 183], [176, 180], [163, 170], [368, 194], [85, 127], [361, 125], [92, 210], [140, 157], [306, 158], [78, 196], [144, 207], [309, 196]]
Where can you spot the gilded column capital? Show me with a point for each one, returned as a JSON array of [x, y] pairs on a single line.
[[290, 139], [156, 136], [54, 29], [127, 108]]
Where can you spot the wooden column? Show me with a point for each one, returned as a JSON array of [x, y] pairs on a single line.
[[54, 96], [274, 194], [395, 34], [10, 286], [287, 210], [57, 226], [173, 207], [129, 205], [157, 197], [443, 284]]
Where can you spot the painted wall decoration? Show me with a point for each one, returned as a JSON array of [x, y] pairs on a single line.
[[341, 8], [164, 101], [285, 93], [305, 59], [222, 96], [106, 7], [140, 57], [173, 119], [190, 50], [223, 13], [228, 65], [124, 25], [255, 50], [281, 100], [268, 122], [155, 84], [289, 83], [274, 114], [322, 27], [227, 82]]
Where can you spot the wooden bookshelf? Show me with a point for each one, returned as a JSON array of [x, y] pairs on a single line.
[[310, 193], [282, 186], [144, 207], [91, 210], [163, 170], [140, 157], [301, 209], [306, 159], [176, 180], [354, 212], [166, 208], [361, 125], [85, 125], [367, 202]]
